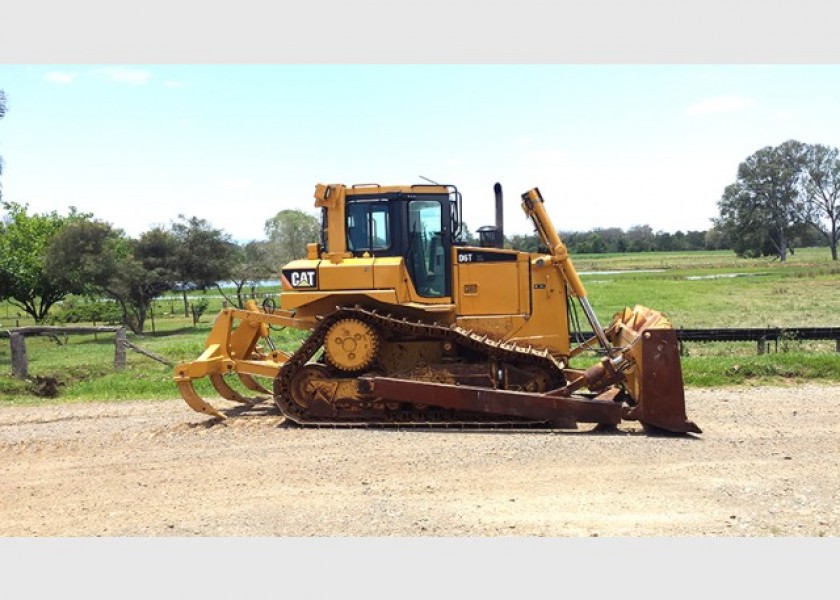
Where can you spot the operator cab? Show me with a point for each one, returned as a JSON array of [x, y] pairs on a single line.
[[420, 223]]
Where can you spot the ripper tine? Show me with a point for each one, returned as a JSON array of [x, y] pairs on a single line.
[[195, 401], [252, 384], [226, 391]]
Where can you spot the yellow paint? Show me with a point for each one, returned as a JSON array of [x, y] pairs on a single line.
[[349, 274]]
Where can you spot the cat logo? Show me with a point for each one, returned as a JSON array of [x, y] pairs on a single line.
[[301, 278]]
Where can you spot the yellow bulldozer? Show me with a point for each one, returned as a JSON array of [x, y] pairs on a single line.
[[411, 326]]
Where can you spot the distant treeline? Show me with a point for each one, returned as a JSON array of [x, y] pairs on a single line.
[[642, 238]]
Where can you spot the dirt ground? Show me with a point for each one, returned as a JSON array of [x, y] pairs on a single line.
[[767, 464]]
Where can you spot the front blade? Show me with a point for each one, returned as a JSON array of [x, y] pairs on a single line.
[[661, 396]]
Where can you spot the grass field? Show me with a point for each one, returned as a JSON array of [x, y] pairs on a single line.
[[695, 289]]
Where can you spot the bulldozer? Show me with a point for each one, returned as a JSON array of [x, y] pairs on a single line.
[[411, 326]]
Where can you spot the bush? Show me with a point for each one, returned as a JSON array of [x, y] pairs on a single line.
[[74, 310], [199, 307]]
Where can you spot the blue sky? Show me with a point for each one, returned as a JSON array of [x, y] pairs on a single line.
[[620, 145]]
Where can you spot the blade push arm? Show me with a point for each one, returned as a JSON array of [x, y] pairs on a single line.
[[533, 205]]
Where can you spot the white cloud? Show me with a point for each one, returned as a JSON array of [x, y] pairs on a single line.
[[719, 104], [60, 77], [125, 75]]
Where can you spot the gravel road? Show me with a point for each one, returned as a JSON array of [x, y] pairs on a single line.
[[767, 464]]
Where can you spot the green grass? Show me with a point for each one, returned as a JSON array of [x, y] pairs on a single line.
[[788, 368], [804, 292]]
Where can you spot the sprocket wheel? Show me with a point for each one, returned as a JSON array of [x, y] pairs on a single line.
[[351, 345]]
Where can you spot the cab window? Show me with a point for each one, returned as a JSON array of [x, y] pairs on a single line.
[[368, 226]]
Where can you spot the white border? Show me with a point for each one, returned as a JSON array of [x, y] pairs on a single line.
[[432, 31]]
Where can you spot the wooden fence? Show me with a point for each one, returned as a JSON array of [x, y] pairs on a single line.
[[17, 339]]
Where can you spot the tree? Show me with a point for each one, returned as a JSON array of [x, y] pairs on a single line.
[[24, 239], [288, 233], [525, 243], [822, 192], [765, 203], [205, 255], [91, 257], [255, 263], [640, 238], [716, 238]]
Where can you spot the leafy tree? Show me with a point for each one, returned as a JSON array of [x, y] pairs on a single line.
[[640, 238], [764, 204], [86, 256], [288, 233], [822, 192], [24, 240], [91, 257], [716, 238], [154, 270], [525, 243], [614, 238], [695, 240], [665, 242], [255, 263], [205, 255]]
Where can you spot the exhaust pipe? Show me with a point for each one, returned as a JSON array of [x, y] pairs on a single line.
[[500, 231]]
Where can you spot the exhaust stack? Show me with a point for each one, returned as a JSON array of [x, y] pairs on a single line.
[[500, 230]]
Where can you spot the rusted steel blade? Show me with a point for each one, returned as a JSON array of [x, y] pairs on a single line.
[[195, 401], [251, 383], [661, 396], [226, 391], [497, 402]]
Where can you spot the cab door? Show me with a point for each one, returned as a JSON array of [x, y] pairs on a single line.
[[427, 247]]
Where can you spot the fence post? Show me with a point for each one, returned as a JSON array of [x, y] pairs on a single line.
[[119, 349], [837, 344], [762, 346], [20, 364]]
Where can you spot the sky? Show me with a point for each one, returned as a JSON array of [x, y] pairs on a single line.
[[622, 114], [608, 145]]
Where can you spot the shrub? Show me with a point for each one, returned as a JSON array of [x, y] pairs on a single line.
[[74, 310]]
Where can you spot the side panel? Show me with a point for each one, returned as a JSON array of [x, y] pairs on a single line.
[[548, 326], [386, 272], [490, 281], [350, 274]]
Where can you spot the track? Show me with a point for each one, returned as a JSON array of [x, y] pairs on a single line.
[[413, 416]]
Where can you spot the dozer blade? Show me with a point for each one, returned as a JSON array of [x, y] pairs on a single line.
[[226, 391], [195, 401], [252, 384], [657, 384]]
